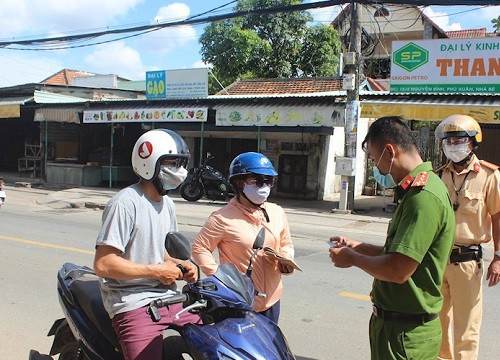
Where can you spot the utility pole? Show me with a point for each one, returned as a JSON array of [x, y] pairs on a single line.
[[352, 73]]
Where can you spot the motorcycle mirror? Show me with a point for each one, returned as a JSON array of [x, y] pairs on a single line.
[[178, 246], [259, 240]]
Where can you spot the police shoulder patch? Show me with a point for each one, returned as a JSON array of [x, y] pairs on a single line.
[[489, 165], [420, 179]]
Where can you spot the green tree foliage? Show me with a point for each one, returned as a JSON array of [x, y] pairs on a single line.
[[278, 45], [496, 25]]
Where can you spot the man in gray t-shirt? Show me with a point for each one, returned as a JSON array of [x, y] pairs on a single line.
[[131, 260]]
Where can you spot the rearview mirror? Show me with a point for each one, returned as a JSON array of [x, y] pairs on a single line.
[[178, 246], [259, 240]]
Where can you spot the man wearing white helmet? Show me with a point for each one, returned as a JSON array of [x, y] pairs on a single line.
[[474, 187], [131, 260]]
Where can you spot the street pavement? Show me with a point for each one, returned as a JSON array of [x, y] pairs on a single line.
[[324, 309]]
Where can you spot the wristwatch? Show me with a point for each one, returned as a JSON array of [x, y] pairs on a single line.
[[497, 253]]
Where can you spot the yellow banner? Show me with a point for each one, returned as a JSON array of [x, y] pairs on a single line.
[[10, 111], [482, 114]]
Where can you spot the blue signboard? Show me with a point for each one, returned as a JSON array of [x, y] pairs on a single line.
[[156, 84]]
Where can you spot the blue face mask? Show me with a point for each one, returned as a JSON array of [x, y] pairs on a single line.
[[384, 180]]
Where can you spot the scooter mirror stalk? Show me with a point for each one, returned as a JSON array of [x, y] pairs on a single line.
[[258, 244], [259, 240], [178, 246]]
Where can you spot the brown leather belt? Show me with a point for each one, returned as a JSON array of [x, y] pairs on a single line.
[[403, 317]]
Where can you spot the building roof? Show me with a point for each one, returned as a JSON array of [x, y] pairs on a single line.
[[282, 86], [64, 77], [466, 34], [379, 84]]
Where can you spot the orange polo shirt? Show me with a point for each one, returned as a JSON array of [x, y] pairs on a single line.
[[233, 230]]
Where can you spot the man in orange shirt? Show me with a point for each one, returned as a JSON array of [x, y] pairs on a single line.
[[234, 228], [474, 187]]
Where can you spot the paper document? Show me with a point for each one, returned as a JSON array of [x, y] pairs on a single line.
[[271, 252]]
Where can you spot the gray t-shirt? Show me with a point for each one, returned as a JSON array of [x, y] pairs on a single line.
[[137, 227]]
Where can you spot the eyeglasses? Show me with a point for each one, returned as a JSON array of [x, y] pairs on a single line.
[[261, 180], [456, 141]]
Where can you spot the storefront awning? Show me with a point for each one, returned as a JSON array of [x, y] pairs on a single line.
[[280, 115], [485, 109], [66, 115], [11, 107]]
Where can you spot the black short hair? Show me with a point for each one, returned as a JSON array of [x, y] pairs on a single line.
[[391, 130]]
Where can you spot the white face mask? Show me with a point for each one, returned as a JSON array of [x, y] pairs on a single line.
[[456, 153], [257, 195], [172, 176]]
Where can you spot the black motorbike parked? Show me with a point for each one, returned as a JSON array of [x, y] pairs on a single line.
[[205, 181]]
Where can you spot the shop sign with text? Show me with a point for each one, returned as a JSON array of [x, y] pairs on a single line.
[[146, 115], [446, 66], [176, 84], [280, 116]]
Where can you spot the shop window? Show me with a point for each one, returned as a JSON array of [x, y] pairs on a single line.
[[292, 173]]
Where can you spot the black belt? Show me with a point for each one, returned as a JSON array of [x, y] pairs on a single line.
[[403, 317], [464, 253]]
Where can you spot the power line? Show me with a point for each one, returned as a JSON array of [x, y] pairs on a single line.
[[263, 11]]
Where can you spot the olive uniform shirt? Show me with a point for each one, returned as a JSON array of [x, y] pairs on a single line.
[[478, 198], [423, 228]]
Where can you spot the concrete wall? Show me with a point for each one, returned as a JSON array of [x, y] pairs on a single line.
[[333, 146], [360, 156]]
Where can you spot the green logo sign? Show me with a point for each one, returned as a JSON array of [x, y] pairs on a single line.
[[410, 57]]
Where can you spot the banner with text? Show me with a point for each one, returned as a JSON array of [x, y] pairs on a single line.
[[446, 65], [176, 84], [280, 116], [146, 115]]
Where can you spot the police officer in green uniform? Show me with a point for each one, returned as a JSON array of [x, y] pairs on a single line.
[[408, 269]]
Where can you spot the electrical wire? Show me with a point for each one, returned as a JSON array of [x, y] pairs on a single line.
[[255, 11]]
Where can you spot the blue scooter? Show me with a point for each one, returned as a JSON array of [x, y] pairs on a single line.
[[230, 328]]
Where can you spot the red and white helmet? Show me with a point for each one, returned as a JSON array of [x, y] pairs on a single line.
[[154, 146]]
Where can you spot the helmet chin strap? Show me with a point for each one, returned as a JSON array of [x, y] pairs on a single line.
[[159, 187], [254, 204]]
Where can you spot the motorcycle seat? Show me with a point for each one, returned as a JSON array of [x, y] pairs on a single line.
[[87, 294]]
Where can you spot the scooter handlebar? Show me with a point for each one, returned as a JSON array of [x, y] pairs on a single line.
[[161, 302], [171, 300]]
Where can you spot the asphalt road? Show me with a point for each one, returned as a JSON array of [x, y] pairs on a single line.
[[325, 310]]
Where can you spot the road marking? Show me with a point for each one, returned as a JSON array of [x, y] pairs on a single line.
[[60, 247], [355, 296]]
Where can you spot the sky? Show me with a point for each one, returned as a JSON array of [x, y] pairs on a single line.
[[167, 49]]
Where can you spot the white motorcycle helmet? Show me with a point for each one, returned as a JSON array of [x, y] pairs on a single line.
[[154, 146]]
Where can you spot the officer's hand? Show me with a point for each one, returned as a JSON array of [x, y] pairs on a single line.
[[342, 257], [493, 274], [168, 272], [344, 241], [191, 274]]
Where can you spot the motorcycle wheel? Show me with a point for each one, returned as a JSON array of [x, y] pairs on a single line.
[[191, 191]]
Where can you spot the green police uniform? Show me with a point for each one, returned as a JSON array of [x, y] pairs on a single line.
[[405, 323]]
